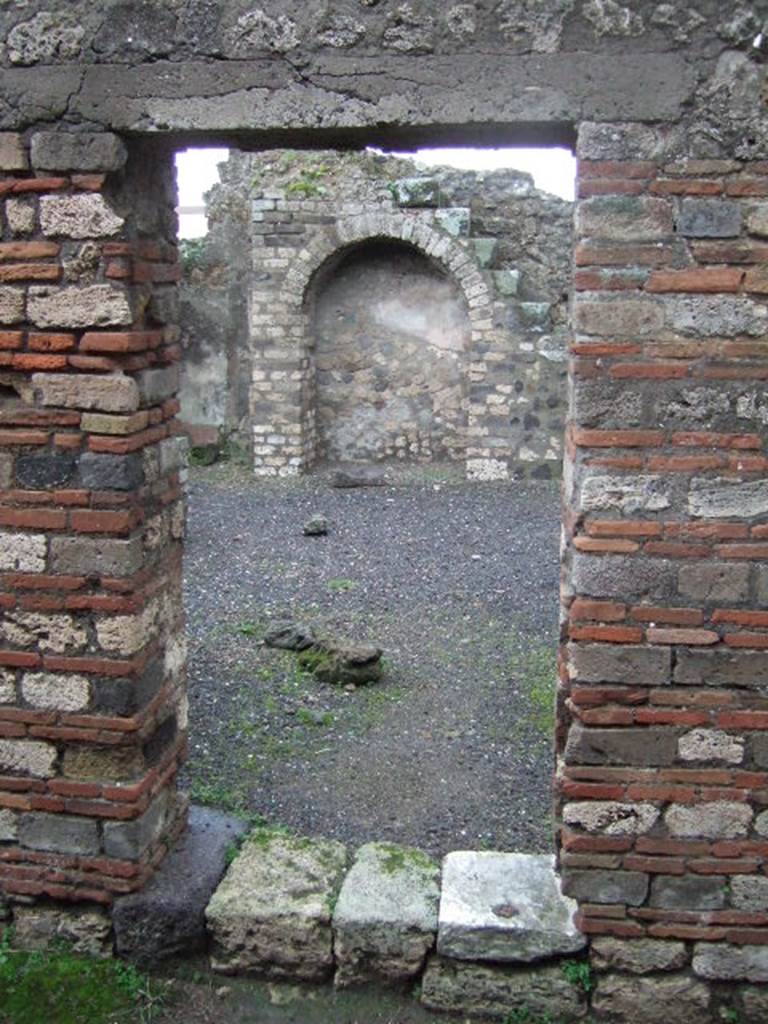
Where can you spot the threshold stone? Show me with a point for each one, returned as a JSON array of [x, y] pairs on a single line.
[[167, 917], [386, 915], [505, 907], [271, 915]]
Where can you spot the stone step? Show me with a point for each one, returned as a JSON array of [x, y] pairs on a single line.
[[385, 920], [271, 914], [504, 907]]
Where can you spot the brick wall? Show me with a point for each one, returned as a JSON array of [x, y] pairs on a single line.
[[662, 741], [91, 516]]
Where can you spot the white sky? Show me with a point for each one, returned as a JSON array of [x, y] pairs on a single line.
[[553, 170]]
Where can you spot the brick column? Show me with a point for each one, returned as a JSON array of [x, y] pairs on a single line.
[[92, 723], [663, 771], [282, 400]]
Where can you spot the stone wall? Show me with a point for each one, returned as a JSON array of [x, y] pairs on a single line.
[[661, 711], [497, 402]]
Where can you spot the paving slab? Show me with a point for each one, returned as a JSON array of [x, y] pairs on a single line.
[[167, 917], [385, 921], [504, 906], [271, 914]]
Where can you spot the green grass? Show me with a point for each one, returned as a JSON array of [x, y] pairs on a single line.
[[57, 986], [535, 667], [341, 585]]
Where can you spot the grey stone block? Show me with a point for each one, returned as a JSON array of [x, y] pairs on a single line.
[[504, 907], [271, 915], [157, 385], [454, 220], [6, 469], [714, 581], [167, 918], [638, 493], [750, 892], [758, 744], [720, 499], [101, 472], [630, 887], [85, 928], [540, 992], [688, 892], [620, 746], [507, 282], [709, 218], [630, 579], [625, 999], [77, 151], [385, 919], [88, 556], [620, 663], [637, 956], [720, 961], [417, 191], [706, 315], [40, 471], [485, 251], [127, 840], [59, 833], [721, 668]]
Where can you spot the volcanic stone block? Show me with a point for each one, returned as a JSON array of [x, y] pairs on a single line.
[[167, 918], [620, 663], [271, 915], [96, 305], [38, 471], [96, 555], [625, 218], [13, 156], [101, 472], [59, 833], [504, 906], [77, 151], [417, 191], [630, 887], [107, 393], [714, 581], [128, 840], [689, 892], [454, 220], [637, 956], [158, 384], [721, 668], [78, 216], [709, 218], [625, 999], [385, 919], [495, 990], [715, 499], [620, 746], [717, 960], [86, 929], [628, 579]]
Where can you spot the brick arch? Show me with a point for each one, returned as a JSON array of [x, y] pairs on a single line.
[[452, 257], [448, 253]]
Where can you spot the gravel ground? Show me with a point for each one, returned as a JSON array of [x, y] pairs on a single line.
[[456, 581]]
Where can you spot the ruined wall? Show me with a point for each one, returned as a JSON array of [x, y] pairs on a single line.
[[661, 714], [213, 293], [498, 404], [391, 335]]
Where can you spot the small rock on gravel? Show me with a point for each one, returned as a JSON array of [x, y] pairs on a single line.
[[316, 526], [290, 636], [359, 476]]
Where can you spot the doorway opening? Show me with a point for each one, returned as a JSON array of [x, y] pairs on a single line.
[[456, 583]]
